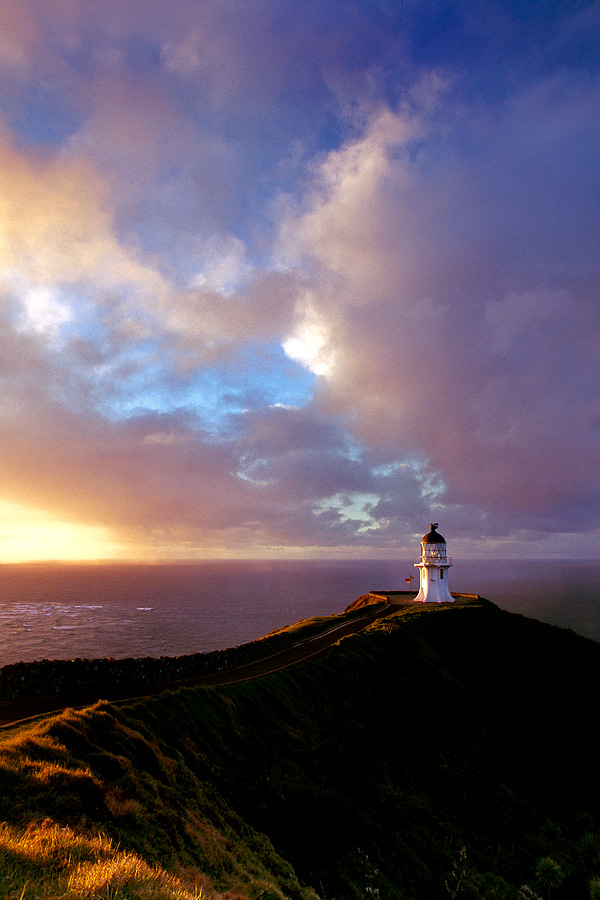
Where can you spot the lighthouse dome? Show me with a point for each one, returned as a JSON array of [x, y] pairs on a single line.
[[432, 537]]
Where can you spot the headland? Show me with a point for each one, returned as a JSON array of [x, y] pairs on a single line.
[[442, 750]]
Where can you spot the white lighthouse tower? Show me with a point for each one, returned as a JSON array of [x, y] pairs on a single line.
[[433, 564]]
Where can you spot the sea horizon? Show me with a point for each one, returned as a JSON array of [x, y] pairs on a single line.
[[120, 608]]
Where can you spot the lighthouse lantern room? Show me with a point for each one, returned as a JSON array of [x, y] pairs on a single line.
[[433, 564]]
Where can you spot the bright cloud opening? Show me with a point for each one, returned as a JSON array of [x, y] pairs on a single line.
[[310, 345], [44, 311]]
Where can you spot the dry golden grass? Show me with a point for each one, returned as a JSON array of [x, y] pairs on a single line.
[[101, 771], [49, 862], [130, 876]]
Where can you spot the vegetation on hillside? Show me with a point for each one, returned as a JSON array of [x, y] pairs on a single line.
[[444, 752]]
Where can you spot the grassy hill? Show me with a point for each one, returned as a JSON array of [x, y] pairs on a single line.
[[445, 752]]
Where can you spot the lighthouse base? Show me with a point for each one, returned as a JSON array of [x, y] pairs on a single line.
[[430, 599], [434, 585]]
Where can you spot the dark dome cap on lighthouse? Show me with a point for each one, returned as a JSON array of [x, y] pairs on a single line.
[[433, 537]]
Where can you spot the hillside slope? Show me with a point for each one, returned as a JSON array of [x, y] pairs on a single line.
[[447, 751]]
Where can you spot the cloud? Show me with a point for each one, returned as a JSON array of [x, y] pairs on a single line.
[[159, 484], [56, 228], [280, 275], [64, 260], [453, 288]]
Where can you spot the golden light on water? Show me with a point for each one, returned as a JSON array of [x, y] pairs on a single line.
[[31, 535]]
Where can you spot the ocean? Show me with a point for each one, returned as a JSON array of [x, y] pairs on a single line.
[[56, 611]]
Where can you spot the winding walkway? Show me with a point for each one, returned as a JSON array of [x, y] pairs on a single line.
[[27, 710]]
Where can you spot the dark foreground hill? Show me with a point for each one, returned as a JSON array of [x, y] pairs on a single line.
[[445, 752]]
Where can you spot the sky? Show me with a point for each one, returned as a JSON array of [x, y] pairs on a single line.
[[295, 278]]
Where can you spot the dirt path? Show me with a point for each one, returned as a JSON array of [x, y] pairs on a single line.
[[26, 710], [305, 649]]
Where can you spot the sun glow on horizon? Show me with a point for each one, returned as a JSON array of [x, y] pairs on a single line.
[[28, 534]]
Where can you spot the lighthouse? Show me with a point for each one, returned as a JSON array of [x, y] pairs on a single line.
[[433, 564]]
